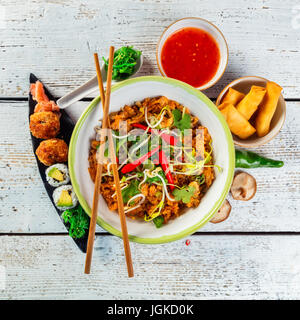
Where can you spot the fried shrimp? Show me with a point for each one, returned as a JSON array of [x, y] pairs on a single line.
[[38, 93], [52, 151], [44, 125], [46, 106]]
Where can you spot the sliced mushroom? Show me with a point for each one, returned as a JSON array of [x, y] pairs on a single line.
[[223, 213], [243, 187]]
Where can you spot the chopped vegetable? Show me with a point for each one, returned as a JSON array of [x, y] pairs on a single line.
[[78, 221], [130, 191], [165, 166], [200, 179], [188, 242], [249, 159], [182, 122], [125, 60], [158, 221], [184, 194]]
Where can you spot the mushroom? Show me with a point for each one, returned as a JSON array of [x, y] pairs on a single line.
[[223, 213], [243, 187]]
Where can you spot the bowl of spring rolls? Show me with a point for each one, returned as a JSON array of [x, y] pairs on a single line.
[[254, 109]]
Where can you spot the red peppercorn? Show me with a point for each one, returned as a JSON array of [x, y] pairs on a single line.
[[188, 242]]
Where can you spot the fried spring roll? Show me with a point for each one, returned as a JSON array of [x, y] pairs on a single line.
[[223, 105], [236, 122], [267, 108], [233, 96], [251, 101]]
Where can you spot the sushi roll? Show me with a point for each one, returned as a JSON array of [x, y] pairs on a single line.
[[57, 175], [64, 197]]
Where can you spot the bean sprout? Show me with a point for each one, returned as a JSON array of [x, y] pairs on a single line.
[[123, 187], [108, 169], [137, 196], [154, 214], [120, 137], [165, 187], [157, 123], [144, 179], [140, 145], [138, 205], [131, 177], [131, 209], [169, 132]]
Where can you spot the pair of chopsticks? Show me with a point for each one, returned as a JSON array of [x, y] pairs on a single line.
[[105, 99]]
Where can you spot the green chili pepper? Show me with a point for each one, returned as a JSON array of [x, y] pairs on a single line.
[[248, 159]]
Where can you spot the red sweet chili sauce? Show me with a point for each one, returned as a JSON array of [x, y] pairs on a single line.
[[191, 55]]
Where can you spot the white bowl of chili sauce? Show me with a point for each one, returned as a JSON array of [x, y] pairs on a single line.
[[192, 50]]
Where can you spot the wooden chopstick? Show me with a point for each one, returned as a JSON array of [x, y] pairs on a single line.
[[99, 168], [114, 167], [106, 124]]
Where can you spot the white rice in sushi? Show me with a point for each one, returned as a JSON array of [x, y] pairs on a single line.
[[62, 175], [65, 198]]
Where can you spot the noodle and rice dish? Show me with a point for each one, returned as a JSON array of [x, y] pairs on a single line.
[[164, 156]]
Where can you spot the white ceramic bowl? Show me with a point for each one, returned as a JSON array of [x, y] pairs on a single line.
[[127, 92], [244, 85], [200, 24]]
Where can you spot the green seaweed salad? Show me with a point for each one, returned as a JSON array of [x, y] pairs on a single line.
[[125, 60], [78, 221]]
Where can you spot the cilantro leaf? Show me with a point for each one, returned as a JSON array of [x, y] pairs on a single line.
[[181, 122], [78, 221], [177, 115], [186, 122], [157, 179], [130, 191], [184, 194]]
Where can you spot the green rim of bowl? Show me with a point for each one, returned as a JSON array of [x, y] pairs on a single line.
[[218, 203]]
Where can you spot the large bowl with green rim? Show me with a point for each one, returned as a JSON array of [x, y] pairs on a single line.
[[128, 92]]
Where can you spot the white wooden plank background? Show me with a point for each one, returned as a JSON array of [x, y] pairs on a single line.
[[55, 39], [212, 267]]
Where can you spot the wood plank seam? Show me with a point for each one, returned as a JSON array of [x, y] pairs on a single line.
[[198, 233]]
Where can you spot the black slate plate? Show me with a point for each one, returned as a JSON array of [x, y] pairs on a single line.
[[66, 129]]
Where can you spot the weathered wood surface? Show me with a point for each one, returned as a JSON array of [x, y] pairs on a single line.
[[25, 206], [211, 267], [55, 39]]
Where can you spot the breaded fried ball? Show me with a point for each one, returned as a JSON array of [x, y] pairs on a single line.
[[44, 125], [52, 151]]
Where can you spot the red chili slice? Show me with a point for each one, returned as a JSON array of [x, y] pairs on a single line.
[[165, 166], [131, 166]]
